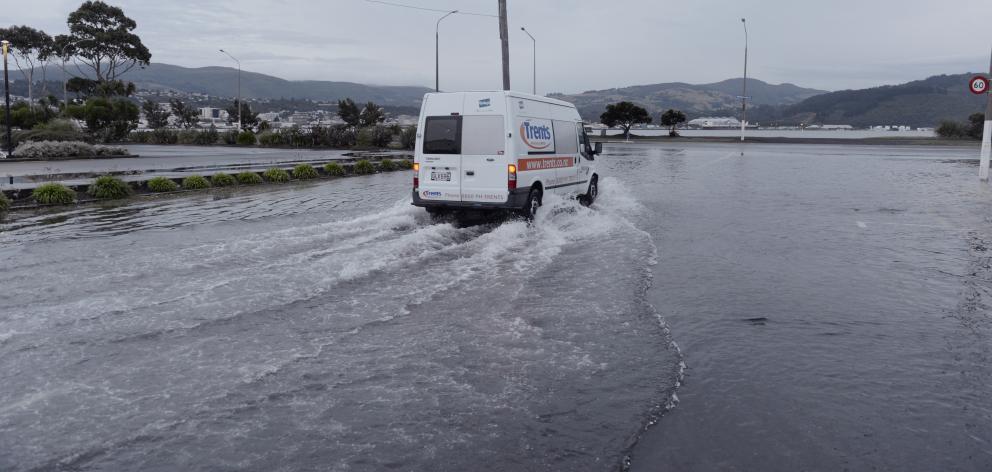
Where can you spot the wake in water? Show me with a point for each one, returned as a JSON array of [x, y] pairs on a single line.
[[351, 344]]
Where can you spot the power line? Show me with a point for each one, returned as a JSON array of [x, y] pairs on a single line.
[[414, 7]]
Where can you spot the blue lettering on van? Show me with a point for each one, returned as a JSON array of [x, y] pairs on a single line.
[[537, 132], [431, 193], [484, 103]]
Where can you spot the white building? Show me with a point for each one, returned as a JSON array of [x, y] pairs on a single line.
[[715, 122]]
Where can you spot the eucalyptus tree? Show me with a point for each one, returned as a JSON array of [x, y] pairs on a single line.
[[29, 48], [103, 40]]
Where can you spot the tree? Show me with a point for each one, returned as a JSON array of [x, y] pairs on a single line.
[[249, 119], [624, 115], [29, 47], [101, 36], [186, 115], [348, 112], [155, 115], [671, 118], [107, 119], [371, 115], [976, 125]]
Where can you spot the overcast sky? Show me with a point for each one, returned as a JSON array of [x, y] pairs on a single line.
[[827, 44]]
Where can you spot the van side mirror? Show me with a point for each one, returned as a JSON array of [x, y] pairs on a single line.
[[597, 148]]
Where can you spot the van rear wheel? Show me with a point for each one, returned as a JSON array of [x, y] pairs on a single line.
[[533, 203]]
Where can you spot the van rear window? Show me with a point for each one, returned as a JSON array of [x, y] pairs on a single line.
[[483, 135], [443, 135]]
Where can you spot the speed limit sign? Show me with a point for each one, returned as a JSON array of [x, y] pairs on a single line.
[[979, 85]]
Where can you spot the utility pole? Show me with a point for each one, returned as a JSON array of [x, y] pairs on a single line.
[[437, 51], [241, 125], [535, 57], [983, 167], [744, 93], [504, 38], [6, 91]]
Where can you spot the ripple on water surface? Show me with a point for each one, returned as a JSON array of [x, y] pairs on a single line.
[[338, 328]]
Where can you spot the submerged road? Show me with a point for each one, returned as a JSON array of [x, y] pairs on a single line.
[[830, 303]]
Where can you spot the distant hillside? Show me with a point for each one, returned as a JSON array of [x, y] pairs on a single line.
[[222, 81], [694, 100], [918, 103]]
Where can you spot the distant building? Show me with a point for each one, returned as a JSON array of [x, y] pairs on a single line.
[[720, 122], [269, 116], [209, 113]]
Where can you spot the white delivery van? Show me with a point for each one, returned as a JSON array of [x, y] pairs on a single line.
[[500, 150]]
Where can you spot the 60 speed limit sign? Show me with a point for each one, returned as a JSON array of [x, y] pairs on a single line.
[[978, 85]]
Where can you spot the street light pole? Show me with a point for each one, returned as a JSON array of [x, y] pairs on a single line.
[[437, 50], [6, 91], [744, 93], [535, 56], [240, 105]]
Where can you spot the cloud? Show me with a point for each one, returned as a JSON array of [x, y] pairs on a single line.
[[580, 45]]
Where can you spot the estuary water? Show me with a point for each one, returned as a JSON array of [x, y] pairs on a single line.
[[756, 307]]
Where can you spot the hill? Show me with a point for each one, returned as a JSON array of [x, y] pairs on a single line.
[[694, 100], [222, 82], [919, 103]]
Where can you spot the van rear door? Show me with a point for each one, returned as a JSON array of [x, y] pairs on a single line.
[[440, 174], [484, 160]]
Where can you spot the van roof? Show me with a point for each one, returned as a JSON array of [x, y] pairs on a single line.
[[511, 93]]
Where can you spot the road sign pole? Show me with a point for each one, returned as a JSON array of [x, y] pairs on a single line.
[[983, 165]]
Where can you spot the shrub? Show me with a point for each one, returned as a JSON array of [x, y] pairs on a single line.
[[270, 139], [162, 184], [304, 172], [4, 204], [404, 164], [246, 138], [333, 168], [195, 182], [363, 167], [202, 138], [951, 129], [107, 119], [408, 137], [108, 188], [53, 194], [39, 134], [55, 150], [221, 179], [229, 137], [107, 151], [158, 136], [248, 178], [387, 165], [276, 174]]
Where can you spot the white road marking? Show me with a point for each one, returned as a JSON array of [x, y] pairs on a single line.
[[862, 224]]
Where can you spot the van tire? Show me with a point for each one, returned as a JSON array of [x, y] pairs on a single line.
[[591, 193], [533, 203]]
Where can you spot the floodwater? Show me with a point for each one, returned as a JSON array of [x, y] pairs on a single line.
[[792, 308]]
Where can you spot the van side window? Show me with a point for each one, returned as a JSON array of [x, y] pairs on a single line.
[[443, 135], [566, 142], [483, 135]]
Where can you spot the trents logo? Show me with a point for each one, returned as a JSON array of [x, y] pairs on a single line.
[[535, 137]]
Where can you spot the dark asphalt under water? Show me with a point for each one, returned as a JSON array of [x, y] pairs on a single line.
[[830, 303]]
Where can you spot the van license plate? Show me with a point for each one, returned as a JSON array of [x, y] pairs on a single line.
[[441, 176]]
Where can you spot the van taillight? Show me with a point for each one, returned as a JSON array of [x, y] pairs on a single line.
[[511, 176], [416, 175]]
